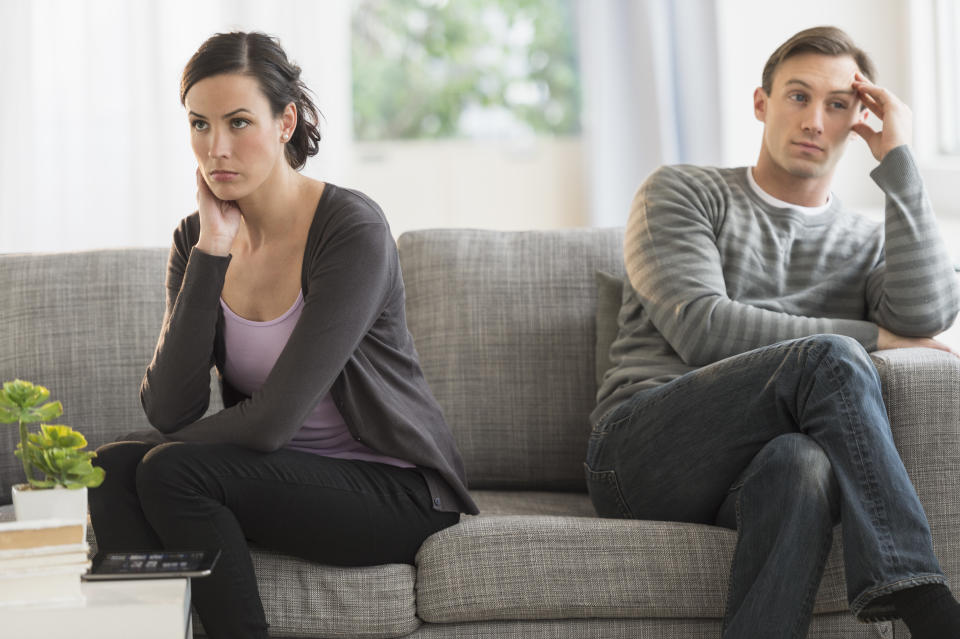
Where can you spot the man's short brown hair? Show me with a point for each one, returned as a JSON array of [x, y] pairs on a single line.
[[823, 40]]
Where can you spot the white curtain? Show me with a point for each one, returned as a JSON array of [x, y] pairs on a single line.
[[650, 94], [94, 149], [93, 141]]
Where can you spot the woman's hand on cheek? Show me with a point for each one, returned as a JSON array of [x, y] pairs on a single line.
[[219, 220]]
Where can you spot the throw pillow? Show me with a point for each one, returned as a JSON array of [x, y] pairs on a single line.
[[609, 297]]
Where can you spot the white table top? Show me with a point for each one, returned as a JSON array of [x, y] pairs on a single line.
[[142, 608]]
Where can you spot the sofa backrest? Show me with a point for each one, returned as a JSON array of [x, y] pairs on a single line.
[[503, 322], [84, 325], [504, 326]]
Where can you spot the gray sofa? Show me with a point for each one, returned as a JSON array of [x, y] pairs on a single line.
[[506, 325]]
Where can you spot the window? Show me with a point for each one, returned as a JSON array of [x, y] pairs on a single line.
[[476, 69], [947, 22], [466, 113]]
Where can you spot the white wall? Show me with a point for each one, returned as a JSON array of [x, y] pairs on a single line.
[[536, 183], [94, 150], [94, 146], [750, 30], [898, 36]]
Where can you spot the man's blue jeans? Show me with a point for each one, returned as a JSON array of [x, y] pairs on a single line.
[[780, 443]]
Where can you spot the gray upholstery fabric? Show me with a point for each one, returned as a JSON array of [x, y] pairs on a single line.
[[523, 502], [520, 567], [504, 324], [84, 325], [609, 298], [512, 361], [836, 626], [305, 599], [921, 388]]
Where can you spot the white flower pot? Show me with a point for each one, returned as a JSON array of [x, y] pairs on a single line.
[[69, 504]]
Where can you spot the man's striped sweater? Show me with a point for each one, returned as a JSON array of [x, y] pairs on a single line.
[[716, 271]]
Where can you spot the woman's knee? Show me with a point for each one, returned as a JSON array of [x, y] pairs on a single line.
[[120, 455], [167, 469]]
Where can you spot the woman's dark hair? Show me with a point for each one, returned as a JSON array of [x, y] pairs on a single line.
[[261, 57]]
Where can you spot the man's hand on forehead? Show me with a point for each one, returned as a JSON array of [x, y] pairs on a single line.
[[896, 117]]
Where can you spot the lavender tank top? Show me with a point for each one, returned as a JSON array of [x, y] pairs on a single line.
[[252, 348]]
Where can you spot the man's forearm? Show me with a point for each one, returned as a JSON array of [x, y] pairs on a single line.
[[913, 292]]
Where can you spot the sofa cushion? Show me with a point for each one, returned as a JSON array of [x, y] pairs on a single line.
[[302, 599], [305, 599], [528, 502], [609, 300], [504, 323], [540, 567], [834, 626], [84, 325]]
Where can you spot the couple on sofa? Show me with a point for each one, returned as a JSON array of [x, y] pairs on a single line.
[[752, 293]]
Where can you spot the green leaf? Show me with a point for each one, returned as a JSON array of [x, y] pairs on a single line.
[[96, 478], [36, 395], [55, 451], [24, 394], [63, 436], [45, 413], [9, 414]]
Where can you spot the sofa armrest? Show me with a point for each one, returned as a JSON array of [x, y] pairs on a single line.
[[921, 388]]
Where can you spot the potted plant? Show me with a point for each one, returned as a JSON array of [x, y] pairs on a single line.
[[57, 469]]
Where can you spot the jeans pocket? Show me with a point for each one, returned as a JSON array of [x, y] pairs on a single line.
[[605, 493]]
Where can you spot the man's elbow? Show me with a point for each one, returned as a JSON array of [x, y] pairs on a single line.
[[927, 325], [698, 354]]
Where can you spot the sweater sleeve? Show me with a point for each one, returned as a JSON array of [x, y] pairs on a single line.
[[349, 277], [176, 387], [912, 291], [675, 267]]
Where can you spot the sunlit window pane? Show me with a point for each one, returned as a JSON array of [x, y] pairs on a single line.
[[464, 69], [948, 72]]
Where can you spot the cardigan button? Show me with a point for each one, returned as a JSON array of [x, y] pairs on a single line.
[[436, 501]]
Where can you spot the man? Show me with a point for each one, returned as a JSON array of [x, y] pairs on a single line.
[[741, 392]]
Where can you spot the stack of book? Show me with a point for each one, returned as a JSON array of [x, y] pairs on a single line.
[[41, 561]]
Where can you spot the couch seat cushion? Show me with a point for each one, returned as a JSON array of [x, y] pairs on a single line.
[[306, 599], [500, 567], [532, 502]]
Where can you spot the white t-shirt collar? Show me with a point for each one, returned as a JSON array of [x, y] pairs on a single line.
[[780, 204]]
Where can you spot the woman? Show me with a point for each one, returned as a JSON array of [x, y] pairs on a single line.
[[331, 446]]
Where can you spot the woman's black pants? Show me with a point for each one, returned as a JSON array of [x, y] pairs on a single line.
[[180, 496]]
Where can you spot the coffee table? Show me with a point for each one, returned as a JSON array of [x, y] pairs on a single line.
[[142, 608]]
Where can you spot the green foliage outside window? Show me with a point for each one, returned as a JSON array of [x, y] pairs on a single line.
[[464, 68]]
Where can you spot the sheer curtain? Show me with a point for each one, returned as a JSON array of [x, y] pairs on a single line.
[[650, 75], [93, 141]]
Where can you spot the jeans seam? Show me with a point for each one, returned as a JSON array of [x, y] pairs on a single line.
[[813, 586], [731, 580], [609, 477], [865, 598], [867, 476]]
